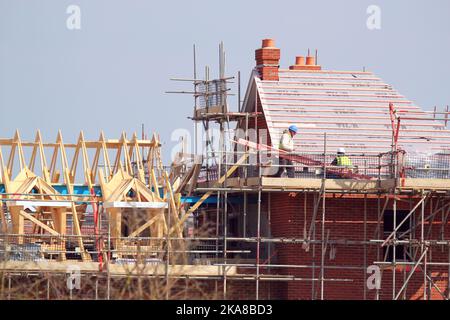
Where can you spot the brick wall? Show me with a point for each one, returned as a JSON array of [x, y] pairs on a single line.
[[344, 219], [346, 268]]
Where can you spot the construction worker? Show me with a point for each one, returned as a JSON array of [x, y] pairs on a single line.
[[287, 144], [342, 160]]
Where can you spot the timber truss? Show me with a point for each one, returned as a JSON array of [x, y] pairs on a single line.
[[43, 183]]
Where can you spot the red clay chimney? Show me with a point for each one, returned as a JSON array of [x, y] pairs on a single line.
[[268, 60], [268, 43], [310, 61], [300, 61], [309, 65]]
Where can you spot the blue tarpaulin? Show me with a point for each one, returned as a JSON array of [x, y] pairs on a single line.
[[84, 190]]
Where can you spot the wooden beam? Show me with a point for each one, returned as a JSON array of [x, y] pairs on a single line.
[[145, 226], [17, 220], [209, 193], [39, 223], [76, 223], [173, 207], [3, 218]]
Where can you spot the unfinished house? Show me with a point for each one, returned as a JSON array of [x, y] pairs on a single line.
[[221, 223], [377, 229]]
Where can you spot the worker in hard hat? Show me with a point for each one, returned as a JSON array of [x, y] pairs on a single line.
[[287, 144], [341, 159]]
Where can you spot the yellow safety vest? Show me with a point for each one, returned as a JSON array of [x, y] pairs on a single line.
[[344, 161]]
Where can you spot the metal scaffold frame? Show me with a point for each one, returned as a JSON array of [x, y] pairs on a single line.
[[137, 182], [378, 242]]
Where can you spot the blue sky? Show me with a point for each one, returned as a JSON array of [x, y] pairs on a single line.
[[112, 74]]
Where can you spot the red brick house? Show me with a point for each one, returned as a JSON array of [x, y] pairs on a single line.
[[331, 234]]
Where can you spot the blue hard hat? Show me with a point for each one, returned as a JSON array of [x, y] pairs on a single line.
[[293, 128]]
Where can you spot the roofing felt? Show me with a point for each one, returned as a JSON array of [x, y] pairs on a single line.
[[352, 108]]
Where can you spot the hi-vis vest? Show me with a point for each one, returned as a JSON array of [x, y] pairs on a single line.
[[344, 161]]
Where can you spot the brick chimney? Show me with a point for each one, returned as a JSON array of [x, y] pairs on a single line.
[[268, 60]]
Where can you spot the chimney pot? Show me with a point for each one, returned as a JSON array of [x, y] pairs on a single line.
[[300, 60], [310, 61], [268, 43]]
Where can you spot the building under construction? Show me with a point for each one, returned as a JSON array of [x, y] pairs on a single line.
[[221, 222]]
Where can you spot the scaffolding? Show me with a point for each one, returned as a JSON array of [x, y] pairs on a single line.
[[230, 189], [385, 185], [387, 177]]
